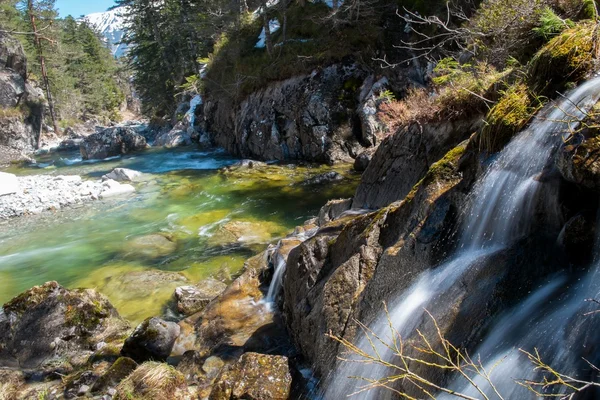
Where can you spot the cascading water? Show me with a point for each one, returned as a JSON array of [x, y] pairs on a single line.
[[500, 210]]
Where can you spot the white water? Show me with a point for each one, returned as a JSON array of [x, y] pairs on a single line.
[[500, 210]]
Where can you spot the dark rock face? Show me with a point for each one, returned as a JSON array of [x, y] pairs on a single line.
[[254, 377], [403, 159], [152, 340], [49, 323], [112, 142], [311, 117], [362, 161]]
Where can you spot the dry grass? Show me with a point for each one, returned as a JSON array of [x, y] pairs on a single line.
[[152, 380]]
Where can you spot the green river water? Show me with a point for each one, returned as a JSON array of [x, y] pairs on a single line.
[[185, 197]]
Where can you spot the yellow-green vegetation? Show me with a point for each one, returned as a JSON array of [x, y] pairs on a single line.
[[153, 380], [11, 112], [568, 57], [236, 68], [30, 298], [508, 116]]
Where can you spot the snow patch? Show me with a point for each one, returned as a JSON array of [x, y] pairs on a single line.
[[111, 26], [274, 26]]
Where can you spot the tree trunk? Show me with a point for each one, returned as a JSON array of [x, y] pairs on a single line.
[[40, 51]]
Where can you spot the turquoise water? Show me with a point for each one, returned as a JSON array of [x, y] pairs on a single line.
[[188, 220]]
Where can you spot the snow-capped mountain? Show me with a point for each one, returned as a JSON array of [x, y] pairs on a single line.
[[111, 25]]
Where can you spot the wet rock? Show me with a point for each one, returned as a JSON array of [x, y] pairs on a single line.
[[123, 175], [112, 188], [115, 374], [579, 161], [49, 325], [173, 138], [112, 142], [153, 339], [327, 177], [191, 299], [200, 370], [361, 162], [153, 380], [254, 376], [150, 246], [245, 232], [8, 184], [578, 237], [246, 164]]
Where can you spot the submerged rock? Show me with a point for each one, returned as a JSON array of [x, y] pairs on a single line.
[[150, 246], [254, 377], [112, 188], [191, 299], [246, 232], [153, 340], [48, 326], [327, 177], [112, 142]]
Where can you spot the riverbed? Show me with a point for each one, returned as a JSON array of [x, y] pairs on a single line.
[[193, 216]]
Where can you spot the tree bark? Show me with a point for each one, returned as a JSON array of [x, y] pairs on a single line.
[[40, 51]]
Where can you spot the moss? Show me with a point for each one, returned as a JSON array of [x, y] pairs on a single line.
[[30, 298], [568, 57], [508, 116], [86, 314]]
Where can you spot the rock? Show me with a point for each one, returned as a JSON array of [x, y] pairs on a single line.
[[198, 369], [332, 210], [403, 158], [173, 138], [112, 188], [123, 175], [153, 339], [12, 56], [112, 142], [153, 380], [8, 184], [12, 88], [369, 101], [577, 237], [255, 377], [246, 164], [361, 162], [327, 177], [150, 246], [115, 374], [577, 161], [245, 232], [191, 299], [48, 325], [310, 117]]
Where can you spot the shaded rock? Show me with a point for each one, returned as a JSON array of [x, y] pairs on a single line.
[[115, 374], [579, 161], [8, 184], [578, 237], [49, 325], [200, 370], [12, 88], [361, 162], [191, 299], [402, 159], [331, 176], [153, 380], [173, 138], [150, 246], [80, 384], [371, 126], [310, 117], [254, 376], [123, 175], [332, 210], [153, 339], [112, 142]]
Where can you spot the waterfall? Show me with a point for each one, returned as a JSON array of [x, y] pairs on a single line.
[[500, 209], [275, 286]]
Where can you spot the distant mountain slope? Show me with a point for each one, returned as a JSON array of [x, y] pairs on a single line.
[[111, 26]]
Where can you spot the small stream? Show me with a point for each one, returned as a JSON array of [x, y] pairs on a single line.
[[213, 220]]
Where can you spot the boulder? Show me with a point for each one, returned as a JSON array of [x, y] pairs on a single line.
[[111, 188], [361, 162], [115, 374], [254, 377], [369, 99], [332, 210], [12, 56], [191, 299], [245, 233], [173, 138], [200, 370], [153, 380], [123, 175], [112, 142], [12, 89], [153, 339], [9, 184], [48, 326]]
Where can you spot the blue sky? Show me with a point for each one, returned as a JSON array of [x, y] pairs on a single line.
[[82, 7]]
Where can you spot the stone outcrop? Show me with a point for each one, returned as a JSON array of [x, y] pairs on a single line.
[[50, 327], [112, 142], [193, 298], [21, 103], [152, 340], [317, 117]]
